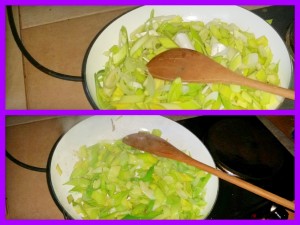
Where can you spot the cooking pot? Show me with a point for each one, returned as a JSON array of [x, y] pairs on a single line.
[[97, 128], [95, 58]]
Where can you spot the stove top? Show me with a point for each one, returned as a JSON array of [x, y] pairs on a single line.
[[243, 146]]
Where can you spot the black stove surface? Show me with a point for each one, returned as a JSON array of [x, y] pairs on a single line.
[[234, 202]]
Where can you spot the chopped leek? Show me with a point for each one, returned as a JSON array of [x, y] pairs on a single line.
[[58, 169], [115, 181], [125, 82]]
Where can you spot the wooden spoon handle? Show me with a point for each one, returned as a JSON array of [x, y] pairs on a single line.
[[243, 184], [160, 147], [243, 81]]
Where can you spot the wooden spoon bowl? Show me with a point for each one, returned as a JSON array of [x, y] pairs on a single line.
[[192, 66]]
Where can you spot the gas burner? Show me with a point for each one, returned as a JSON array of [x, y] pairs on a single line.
[[241, 148], [244, 147]]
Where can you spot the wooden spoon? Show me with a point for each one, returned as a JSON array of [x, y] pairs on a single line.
[[160, 147], [192, 66]]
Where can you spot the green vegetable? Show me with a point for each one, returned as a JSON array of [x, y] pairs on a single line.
[[270, 21], [125, 82], [156, 132], [58, 169], [115, 181]]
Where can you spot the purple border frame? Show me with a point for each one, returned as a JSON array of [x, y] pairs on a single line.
[[5, 113]]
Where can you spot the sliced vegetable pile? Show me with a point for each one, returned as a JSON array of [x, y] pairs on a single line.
[[115, 181], [126, 84]]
